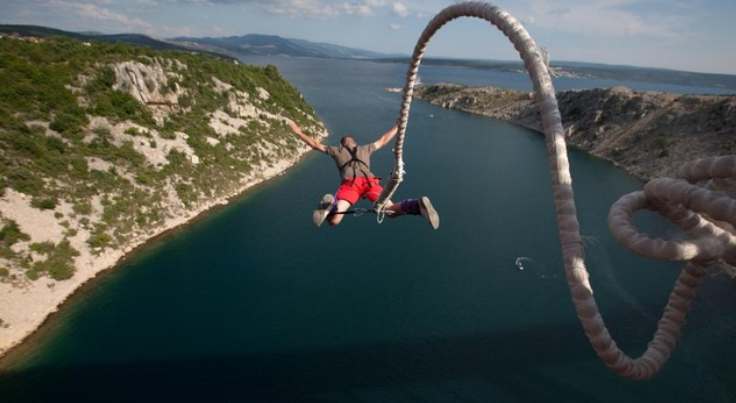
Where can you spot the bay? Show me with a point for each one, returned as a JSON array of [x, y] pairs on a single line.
[[253, 304]]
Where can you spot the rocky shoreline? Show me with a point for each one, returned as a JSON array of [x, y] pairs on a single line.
[[648, 134], [26, 308], [27, 301]]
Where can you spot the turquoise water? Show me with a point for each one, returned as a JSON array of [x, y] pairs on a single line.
[[253, 304]]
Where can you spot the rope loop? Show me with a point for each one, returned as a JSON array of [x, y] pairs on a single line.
[[380, 215], [705, 214]]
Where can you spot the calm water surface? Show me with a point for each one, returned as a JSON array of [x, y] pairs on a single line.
[[253, 304]]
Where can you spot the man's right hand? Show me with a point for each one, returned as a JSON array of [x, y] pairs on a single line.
[[295, 127], [316, 145]]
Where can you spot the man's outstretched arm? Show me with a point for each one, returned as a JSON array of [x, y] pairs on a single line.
[[386, 138], [316, 145]]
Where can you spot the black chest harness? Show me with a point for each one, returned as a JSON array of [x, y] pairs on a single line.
[[354, 163]]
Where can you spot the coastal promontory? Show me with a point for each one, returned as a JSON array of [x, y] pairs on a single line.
[[649, 134], [104, 146]]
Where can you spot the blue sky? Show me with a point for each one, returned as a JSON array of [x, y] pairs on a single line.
[[681, 35]]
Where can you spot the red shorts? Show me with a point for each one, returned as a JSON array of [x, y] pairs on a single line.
[[352, 190]]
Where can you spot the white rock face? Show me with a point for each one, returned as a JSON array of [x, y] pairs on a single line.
[[25, 304], [154, 84], [149, 84]]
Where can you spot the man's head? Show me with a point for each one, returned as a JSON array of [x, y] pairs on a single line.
[[348, 141]]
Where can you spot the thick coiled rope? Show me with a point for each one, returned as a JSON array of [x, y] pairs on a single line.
[[706, 214]]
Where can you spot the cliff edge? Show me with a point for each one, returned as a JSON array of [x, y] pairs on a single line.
[[105, 146], [649, 134]]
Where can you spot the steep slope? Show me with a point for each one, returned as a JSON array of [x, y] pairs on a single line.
[[104, 146], [647, 133]]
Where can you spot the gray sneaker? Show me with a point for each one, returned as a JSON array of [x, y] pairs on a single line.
[[428, 212], [323, 209]]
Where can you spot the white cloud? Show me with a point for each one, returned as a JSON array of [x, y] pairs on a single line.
[[400, 9], [309, 8], [395, 27], [365, 8], [303, 8], [374, 3], [199, 1], [357, 9], [95, 12], [609, 18]]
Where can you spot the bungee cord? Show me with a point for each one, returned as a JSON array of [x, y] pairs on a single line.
[[707, 215]]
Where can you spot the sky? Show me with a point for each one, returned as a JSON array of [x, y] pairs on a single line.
[[674, 34]]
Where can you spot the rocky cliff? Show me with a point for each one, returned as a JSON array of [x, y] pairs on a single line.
[[649, 134], [103, 147]]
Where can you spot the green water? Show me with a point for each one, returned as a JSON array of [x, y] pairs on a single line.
[[253, 304]]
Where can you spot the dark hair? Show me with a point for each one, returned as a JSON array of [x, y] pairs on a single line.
[[346, 139]]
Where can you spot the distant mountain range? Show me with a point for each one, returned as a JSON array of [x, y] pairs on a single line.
[[593, 71], [135, 39], [230, 47], [270, 45], [235, 47]]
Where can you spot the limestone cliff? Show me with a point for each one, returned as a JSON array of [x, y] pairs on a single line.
[[104, 146], [649, 134]]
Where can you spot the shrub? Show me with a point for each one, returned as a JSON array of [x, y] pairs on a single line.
[[60, 261], [80, 167], [126, 152], [42, 248], [83, 208], [55, 145], [23, 180], [186, 193], [99, 239], [43, 204], [69, 122], [145, 179], [11, 233]]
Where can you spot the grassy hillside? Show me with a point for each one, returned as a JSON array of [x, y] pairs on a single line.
[[79, 140]]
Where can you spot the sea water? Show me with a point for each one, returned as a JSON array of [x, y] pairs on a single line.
[[254, 304]]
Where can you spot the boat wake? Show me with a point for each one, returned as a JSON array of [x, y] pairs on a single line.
[[524, 263]]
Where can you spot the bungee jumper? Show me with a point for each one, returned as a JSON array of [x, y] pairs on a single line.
[[357, 181]]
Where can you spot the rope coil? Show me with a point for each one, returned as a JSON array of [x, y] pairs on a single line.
[[708, 215]]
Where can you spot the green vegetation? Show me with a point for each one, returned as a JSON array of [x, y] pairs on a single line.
[[50, 92], [10, 234], [59, 263], [662, 142]]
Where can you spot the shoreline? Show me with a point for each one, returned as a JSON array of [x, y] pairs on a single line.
[[49, 299], [648, 134]]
